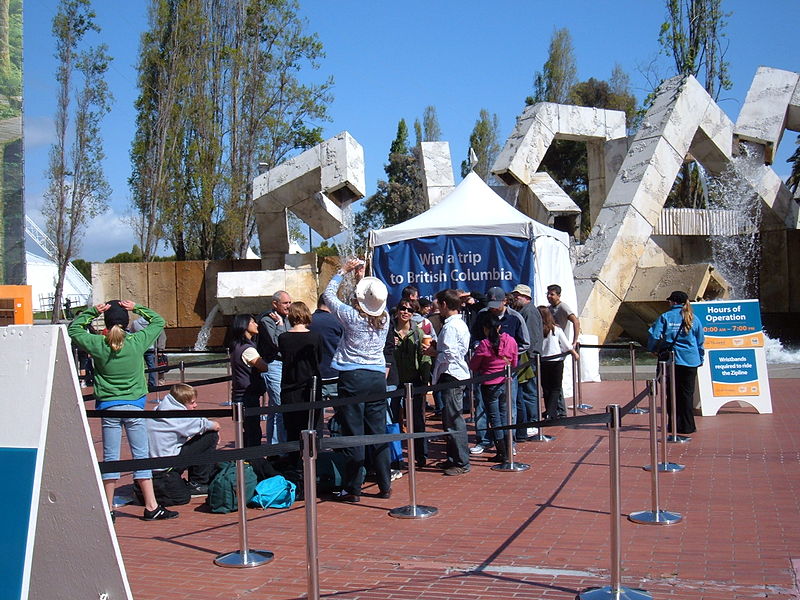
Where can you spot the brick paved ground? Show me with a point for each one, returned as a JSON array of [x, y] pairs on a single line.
[[543, 533]]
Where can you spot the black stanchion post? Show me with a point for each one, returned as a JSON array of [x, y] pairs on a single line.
[[578, 391], [540, 437], [664, 466], [412, 510], [245, 557], [228, 371], [655, 516], [309, 437], [510, 465], [673, 437], [636, 410], [615, 591]]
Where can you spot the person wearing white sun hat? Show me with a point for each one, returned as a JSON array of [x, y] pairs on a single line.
[[362, 372]]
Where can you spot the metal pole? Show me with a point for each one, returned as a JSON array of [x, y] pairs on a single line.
[[615, 591], [245, 557], [540, 437], [636, 410], [656, 516], [309, 438], [574, 389], [313, 393], [228, 371], [183, 371], [576, 366], [509, 464], [664, 466], [412, 510], [674, 438]]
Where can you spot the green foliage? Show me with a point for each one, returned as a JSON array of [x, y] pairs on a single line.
[[325, 250], [398, 198], [559, 73], [430, 123], [794, 178], [693, 37], [484, 141], [222, 89], [84, 268], [134, 256]]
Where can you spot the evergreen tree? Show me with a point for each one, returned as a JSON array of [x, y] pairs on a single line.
[[559, 73], [430, 124], [396, 199], [77, 189], [484, 141], [794, 178]]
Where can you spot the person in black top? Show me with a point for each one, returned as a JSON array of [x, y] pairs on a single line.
[[247, 385], [301, 350]]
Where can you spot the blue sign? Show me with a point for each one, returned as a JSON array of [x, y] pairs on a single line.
[[734, 372], [468, 262], [730, 323]]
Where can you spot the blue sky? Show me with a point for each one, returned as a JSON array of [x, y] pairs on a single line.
[[390, 60]]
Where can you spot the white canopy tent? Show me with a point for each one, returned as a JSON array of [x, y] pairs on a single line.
[[473, 208]]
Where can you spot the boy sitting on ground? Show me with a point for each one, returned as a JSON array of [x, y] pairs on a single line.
[[187, 436]]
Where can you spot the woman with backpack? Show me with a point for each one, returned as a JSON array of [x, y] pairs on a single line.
[[678, 331], [120, 384], [496, 351], [413, 366]]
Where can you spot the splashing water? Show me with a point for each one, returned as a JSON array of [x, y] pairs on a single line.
[[737, 257], [205, 332], [776, 353]]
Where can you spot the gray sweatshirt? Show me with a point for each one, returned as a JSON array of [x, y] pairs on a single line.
[[167, 436]]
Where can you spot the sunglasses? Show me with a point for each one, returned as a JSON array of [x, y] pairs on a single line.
[[404, 309]]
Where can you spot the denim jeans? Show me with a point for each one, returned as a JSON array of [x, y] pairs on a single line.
[[135, 431], [494, 401], [272, 377], [150, 363], [527, 405], [481, 435]]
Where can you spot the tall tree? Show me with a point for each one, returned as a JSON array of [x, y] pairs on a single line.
[[77, 189], [484, 141], [559, 73], [794, 177], [430, 125], [693, 37], [396, 199], [221, 90]]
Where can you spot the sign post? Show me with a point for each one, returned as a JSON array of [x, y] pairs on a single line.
[[735, 367]]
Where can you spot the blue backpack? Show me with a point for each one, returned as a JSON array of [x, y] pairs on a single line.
[[274, 492]]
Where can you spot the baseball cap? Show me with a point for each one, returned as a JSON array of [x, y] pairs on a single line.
[[116, 315], [678, 297], [495, 297]]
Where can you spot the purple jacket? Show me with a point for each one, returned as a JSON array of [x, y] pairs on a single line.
[[486, 361]]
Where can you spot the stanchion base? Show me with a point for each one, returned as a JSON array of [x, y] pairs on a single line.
[[237, 560], [515, 466], [639, 411], [661, 517], [678, 439], [540, 437], [413, 511], [585, 406], [666, 467], [621, 593]]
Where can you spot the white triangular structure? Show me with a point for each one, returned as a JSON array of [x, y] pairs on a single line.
[[58, 539]]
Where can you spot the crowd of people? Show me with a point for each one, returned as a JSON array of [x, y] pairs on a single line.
[[358, 347]]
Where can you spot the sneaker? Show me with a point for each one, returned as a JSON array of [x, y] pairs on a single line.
[[532, 431], [159, 513], [396, 474], [197, 489], [113, 516], [477, 449], [445, 464], [453, 471]]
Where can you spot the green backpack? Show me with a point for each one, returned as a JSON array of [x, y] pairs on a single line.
[[222, 489]]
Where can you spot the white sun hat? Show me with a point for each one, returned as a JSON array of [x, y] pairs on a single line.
[[371, 294]]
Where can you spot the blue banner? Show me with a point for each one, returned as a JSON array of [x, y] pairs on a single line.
[[468, 262], [730, 323], [734, 372]]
